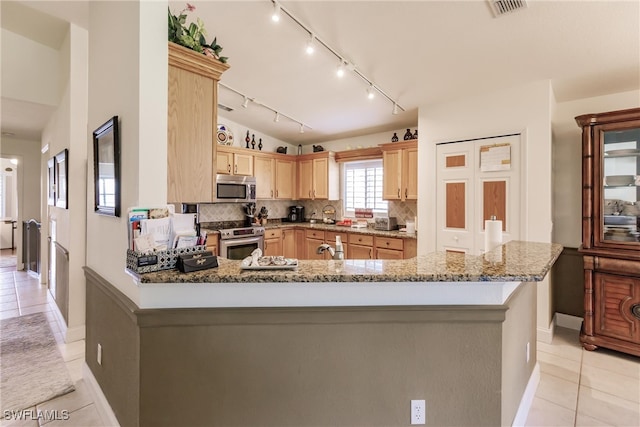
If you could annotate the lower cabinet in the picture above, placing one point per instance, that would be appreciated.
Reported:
(617, 314)
(394, 248)
(313, 239)
(360, 246)
(289, 243)
(212, 243)
(273, 242)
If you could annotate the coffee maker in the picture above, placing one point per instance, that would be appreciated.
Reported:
(296, 214)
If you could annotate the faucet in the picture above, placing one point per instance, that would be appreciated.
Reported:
(335, 254)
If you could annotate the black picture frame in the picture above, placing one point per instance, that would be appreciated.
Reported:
(106, 168)
(51, 182)
(61, 173)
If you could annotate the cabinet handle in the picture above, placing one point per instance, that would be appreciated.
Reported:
(272, 193)
(406, 193)
(635, 310)
(235, 169)
(277, 193)
(314, 194)
(370, 254)
(398, 193)
(387, 243)
(229, 168)
(265, 245)
(309, 193)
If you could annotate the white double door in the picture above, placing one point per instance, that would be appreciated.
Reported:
(466, 195)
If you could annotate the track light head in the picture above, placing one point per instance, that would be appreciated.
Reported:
(340, 70)
(301, 128)
(277, 117)
(395, 109)
(245, 102)
(310, 48)
(370, 92)
(275, 17)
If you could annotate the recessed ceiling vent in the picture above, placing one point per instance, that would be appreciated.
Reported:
(224, 107)
(502, 7)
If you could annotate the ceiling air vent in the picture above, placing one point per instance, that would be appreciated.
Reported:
(502, 7)
(224, 107)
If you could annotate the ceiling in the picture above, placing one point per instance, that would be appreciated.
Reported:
(420, 53)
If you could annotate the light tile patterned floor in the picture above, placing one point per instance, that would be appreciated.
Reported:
(577, 387)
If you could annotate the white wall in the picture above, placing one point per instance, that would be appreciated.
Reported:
(269, 143)
(30, 70)
(364, 141)
(67, 129)
(527, 110)
(134, 88)
(567, 160)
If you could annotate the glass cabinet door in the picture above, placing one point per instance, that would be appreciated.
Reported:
(620, 185)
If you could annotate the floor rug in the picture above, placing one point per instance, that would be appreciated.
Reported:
(31, 367)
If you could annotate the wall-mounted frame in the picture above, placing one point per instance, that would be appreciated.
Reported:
(61, 165)
(106, 168)
(51, 182)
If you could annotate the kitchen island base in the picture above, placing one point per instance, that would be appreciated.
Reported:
(311, 366)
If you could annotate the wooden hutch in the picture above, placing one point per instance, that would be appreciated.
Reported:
(611, 230)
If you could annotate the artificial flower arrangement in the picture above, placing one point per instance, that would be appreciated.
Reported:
(194, 36)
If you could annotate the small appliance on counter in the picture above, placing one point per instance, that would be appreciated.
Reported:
(296, 214)
(386, 223)
(329, 215)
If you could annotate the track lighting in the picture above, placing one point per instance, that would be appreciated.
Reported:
(370, 93)
(340, 70)
(277, 117)
(395, 109)
(309, 49)
(275, 17)
(301, 128)
(245, 103)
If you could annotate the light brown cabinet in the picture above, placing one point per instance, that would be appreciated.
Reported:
(231, 161)
(394, 248)
(360, 246)
(611, 230)
(273, 242)
(191, 126)
(289, 243)
(276, 176)
(318, 176)
(313, 239)
(212, 243)
(400, 163)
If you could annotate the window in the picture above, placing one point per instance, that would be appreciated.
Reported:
(363, 187)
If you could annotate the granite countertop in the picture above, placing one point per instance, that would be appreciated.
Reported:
(515, 261)
(330, 227)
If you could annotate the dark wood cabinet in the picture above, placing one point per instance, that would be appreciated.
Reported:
(610, 230)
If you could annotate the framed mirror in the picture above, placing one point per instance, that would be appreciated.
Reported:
(106, 168)
(61, 179)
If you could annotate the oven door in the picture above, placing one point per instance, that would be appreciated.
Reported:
(240, 248)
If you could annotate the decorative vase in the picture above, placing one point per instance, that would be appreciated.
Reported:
(394, 138)
(247, 140)
(260, 144)
(407, 135)
(253, 141)
(415, 135)
(299, 149)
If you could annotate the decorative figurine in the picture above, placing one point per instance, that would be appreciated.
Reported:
(407, 135)
(415, 135)
(299, 149)
(253, 141)
(394, 138)
(260, 144)
(317, 148)
(247, 140)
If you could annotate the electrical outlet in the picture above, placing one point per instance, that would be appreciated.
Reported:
(418, 412)
(99, 354)
(528, 352)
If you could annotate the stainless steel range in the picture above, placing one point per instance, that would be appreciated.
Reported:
(238, 243)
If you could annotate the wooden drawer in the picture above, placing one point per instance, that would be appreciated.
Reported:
(389, 243)
(361, 239)
(273, 233)
(330, 237)
(314, 234)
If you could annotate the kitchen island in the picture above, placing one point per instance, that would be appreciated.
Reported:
(331, 343)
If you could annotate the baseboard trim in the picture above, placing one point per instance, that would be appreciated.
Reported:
(527, 397)
(568, 321)
(545, 335)
(76, 333)
(102, 405)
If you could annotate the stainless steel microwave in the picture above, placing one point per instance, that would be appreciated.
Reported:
(235, 189)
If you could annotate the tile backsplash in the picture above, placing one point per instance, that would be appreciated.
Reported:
(278, 209)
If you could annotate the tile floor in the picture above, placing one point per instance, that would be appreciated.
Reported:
(577, 387)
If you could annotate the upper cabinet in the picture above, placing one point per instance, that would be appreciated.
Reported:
(233, 161)
(276, 175)
(192, 124)
(400, 163)
(318, 176)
